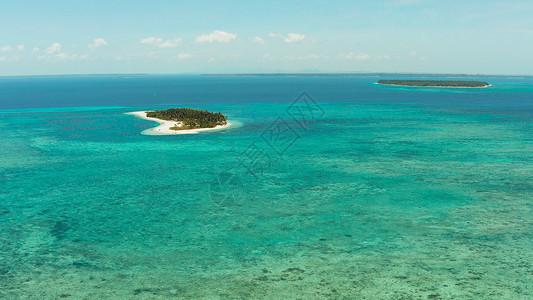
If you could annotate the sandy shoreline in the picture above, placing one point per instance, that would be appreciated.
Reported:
(164, 126)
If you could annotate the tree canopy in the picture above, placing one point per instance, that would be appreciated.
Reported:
(190, 118)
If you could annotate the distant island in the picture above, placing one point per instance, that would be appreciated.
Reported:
(436, 83)
(183, 121)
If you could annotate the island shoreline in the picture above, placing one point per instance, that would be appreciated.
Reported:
(164, 126)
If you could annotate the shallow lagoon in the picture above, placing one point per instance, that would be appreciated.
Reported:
(386, 193)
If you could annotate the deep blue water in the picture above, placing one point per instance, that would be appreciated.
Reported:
(164, 90)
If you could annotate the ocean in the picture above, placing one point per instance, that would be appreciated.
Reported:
(326, 188)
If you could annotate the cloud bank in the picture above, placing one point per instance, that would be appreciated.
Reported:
(290, 38)
(159, 42)
(97, 43)
(216, 36)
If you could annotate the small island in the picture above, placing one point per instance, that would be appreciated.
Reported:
(183, 121)
(436, 83)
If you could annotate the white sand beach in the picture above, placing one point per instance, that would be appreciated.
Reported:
(164, 126)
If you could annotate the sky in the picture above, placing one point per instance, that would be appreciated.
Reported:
(408, 36)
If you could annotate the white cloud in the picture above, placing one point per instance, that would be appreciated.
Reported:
(290, 38)
(184, 55)
(294, 38)
(20, 47)
(169, 43)
(353, 56)
(159, 42)
(54, 53)
(304, 57)
(55, 47)
(151, 40)
(6, 49)
(258, 40)
(63, 56)
(275, 35)
(3, 58)
(97, 43)
(216, 36)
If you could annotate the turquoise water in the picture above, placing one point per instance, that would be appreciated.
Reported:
(380, 193)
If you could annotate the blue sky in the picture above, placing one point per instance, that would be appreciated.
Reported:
(79, 37)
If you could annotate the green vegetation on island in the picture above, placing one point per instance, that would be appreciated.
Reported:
(189, 118)
(435, 83)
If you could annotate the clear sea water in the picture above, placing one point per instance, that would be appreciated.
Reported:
(375, 193)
